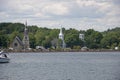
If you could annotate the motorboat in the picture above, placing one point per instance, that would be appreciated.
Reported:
(3, 57)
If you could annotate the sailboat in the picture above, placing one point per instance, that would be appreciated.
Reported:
(3, 57)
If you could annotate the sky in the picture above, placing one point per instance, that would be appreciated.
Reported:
(99, 15)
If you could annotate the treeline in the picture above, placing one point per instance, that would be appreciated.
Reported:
(49, 37)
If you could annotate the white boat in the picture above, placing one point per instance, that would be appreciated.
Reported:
(3, 57)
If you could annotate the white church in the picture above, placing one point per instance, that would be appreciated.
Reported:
(61, 36)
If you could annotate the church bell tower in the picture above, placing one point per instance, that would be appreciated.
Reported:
(26, 38)
(61, 36)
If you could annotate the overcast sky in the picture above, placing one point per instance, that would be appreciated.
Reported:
(79, 14)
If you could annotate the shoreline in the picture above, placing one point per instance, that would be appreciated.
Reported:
(63, 51)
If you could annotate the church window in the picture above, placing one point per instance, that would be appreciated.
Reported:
(25, 37)
(15, 44)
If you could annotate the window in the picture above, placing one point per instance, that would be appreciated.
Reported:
(15, 44)
(25, 37)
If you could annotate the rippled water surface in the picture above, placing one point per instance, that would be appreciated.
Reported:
(62, 66)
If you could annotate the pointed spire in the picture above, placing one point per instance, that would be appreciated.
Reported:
(26, 37)
(61, 36)
(61, 30)
(26, 25)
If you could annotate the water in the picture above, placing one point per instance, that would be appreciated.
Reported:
(62, 66)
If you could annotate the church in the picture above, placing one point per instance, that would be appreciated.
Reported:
(20, 45)
(61, 36)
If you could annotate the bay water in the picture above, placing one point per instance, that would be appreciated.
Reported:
(62, 66)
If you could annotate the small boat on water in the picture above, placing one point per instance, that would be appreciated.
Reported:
(3, 57)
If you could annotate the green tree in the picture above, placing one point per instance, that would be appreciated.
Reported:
(3, 41)
(32, 40)
(110, 40)
(72, 40)
(13, 35)
(54, 33)
(47, 42)
(93, 39)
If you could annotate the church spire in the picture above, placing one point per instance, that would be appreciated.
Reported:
(26, 38)
(26, 25)
(61, 36)
(61, 31)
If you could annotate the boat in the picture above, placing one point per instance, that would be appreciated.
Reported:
(3, 57)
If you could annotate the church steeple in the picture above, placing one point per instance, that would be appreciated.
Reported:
(61, 36)
(26, 25)
(26, 37)
(61, 30)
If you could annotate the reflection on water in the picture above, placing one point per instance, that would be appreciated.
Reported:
(62, 66)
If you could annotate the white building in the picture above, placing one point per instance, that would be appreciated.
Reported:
(81, 36)
(61, 36)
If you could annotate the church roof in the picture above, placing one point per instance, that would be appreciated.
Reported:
(19, 40)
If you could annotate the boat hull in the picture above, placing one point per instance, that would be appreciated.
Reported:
(4, 60)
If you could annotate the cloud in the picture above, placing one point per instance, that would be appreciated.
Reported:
(55, 8)
(3, 15)
(80, 14)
